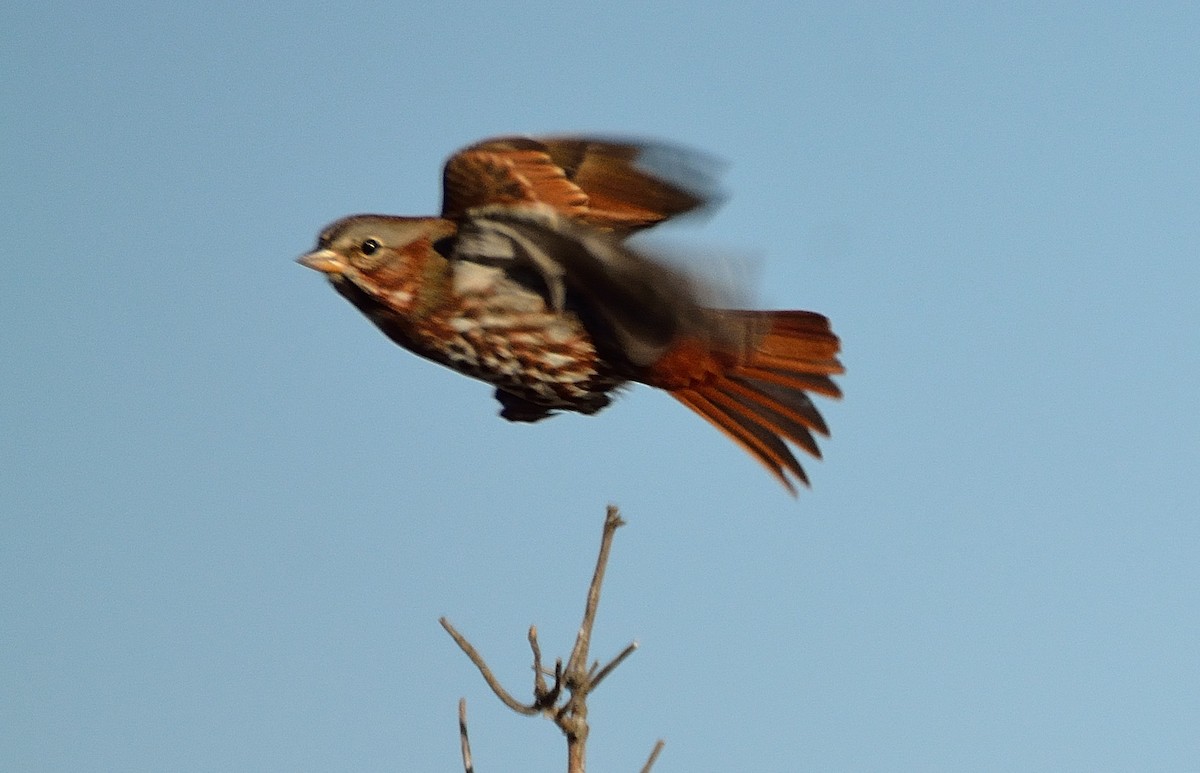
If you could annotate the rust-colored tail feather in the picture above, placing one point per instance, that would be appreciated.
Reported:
(761, 399)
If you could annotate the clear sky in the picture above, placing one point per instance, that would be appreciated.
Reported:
(231, 511)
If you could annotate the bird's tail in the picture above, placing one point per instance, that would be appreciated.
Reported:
(760, 399)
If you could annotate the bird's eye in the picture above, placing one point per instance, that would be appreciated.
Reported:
(369, 247)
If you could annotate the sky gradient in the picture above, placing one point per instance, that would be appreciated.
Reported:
(231, 511)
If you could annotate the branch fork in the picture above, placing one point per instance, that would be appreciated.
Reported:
(576, 680)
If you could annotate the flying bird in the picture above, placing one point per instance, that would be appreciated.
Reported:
(526, 281)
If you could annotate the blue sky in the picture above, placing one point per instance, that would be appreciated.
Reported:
(231, 512)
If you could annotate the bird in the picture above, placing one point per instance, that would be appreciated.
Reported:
(527, 281)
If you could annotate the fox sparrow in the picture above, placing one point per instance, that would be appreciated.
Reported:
(526, 282)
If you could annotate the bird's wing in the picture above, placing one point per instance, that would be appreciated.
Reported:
(643, 304)
(749, 373)
(618, 186)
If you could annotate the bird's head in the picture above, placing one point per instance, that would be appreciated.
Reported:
(390, 260)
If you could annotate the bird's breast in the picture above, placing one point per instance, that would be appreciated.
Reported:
(505, 333)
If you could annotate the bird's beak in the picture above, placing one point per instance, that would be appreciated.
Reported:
(326, 261)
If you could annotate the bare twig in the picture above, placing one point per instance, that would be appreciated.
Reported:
(576, 677)
(539, 676)
(612, 664)
(612, 522)
(658, 747)
(488, 677)
(468, 766)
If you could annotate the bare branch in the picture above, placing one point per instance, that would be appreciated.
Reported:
(576, 678)
(468, 766)
(539, 676)
(488, 677)
(608, 669)
(578, 660)
(658, 747)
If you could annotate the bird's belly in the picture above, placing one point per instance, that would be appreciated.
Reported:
(544, 357)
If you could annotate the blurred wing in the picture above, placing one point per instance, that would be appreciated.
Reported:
(644, 305)
(749, 373)
(612, 185)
